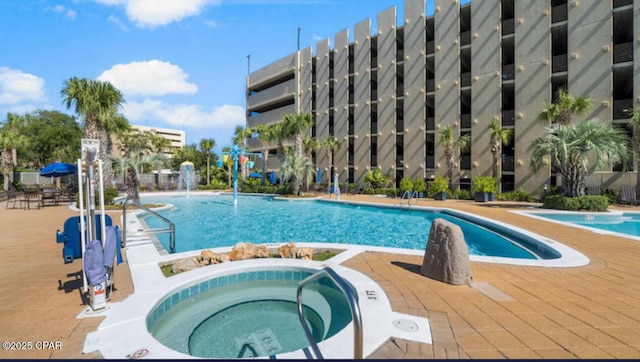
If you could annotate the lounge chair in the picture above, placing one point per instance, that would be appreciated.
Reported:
(593, 190)
(13, 195)
(628, 195)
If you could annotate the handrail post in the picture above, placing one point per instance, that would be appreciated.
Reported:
(172, 227)
(353, 306)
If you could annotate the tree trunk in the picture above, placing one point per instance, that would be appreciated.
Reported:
(208, 169)
(330, 171)
(132, 184)
(6, 168)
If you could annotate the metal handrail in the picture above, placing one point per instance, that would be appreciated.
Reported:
(353, 306)
(171, 229)
(409, 196)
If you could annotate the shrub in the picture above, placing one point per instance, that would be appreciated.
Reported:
(588, 203)
(461, 194)
(351, 188)
(390, 192)
(419, 185)
(110, 193)
(518, 195)
(613, 196)
(484, 184)
(406, 185)
(439, 184)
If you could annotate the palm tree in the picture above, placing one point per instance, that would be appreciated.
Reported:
(565, 105)
(206, 145)
(265, 135)
(240, 139)
(158, 145)
(571, 147)
(499, 136)
(130, 165)
(635, 141)
(449, 142)
(297, 168)
(377, 179)
(98, 103)
(10, 140)
(330, 144)
(295, 125)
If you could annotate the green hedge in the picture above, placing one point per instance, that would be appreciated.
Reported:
(518, 195)
(587, 203)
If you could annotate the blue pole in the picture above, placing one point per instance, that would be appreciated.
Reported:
(235, 175)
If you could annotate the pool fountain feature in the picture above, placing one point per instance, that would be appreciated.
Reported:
(188, 179)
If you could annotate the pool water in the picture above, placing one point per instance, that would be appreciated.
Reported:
(248, 314)
(259, 328)
(623, 223)
(212, 221)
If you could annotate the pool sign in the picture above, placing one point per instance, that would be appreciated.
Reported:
(141, 353)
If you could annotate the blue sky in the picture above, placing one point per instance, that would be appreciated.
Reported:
(180, 63)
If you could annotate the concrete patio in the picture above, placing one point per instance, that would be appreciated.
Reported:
(509, 311)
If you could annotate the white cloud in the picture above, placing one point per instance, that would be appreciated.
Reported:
(184, 115)
(149, 78)
(70, 13)
(153, 13)
(112, 19)
(18, 87)
(210, 23)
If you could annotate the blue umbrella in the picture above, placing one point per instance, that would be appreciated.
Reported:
(58, 169)
(255, 175)
(319, 178)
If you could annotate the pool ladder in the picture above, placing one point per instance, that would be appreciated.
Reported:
(171, 228)
(409, 195)
(353, 306)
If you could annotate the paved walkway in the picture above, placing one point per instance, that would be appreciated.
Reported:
(508, 312)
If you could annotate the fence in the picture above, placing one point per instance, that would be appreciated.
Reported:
(32, 178)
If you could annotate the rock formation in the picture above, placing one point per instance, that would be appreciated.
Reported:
(446, 257)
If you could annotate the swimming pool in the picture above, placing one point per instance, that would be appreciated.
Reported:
(212, 221)
(625, 224)
(251, 314)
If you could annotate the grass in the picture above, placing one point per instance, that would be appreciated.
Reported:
(320, 256)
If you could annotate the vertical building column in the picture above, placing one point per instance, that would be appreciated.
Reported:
(414, 88)
(589, 27)
(486, 70)
(305, 94)
(362, 95)
(533, 88)
(341, 100)
(322, 102)
(387, 90)
(447, 77)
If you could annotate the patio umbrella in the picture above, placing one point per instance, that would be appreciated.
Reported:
(58, 169)
(255, 175)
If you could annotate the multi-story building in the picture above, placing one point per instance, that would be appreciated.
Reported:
(175, 136)
(387, 94)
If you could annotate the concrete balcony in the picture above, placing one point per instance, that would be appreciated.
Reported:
(270, 116)
(272, 95)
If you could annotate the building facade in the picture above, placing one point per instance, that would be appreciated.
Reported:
(175, 136)
(385, 95)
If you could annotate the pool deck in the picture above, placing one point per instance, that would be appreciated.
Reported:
(509, 311)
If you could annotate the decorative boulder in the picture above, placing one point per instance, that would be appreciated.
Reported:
(260, 251)
(241, 251)
(446, 257)
(304, 253)
(184, 265)
(209, 257)
(288, 250)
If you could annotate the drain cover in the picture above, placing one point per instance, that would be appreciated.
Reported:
(405, 325)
